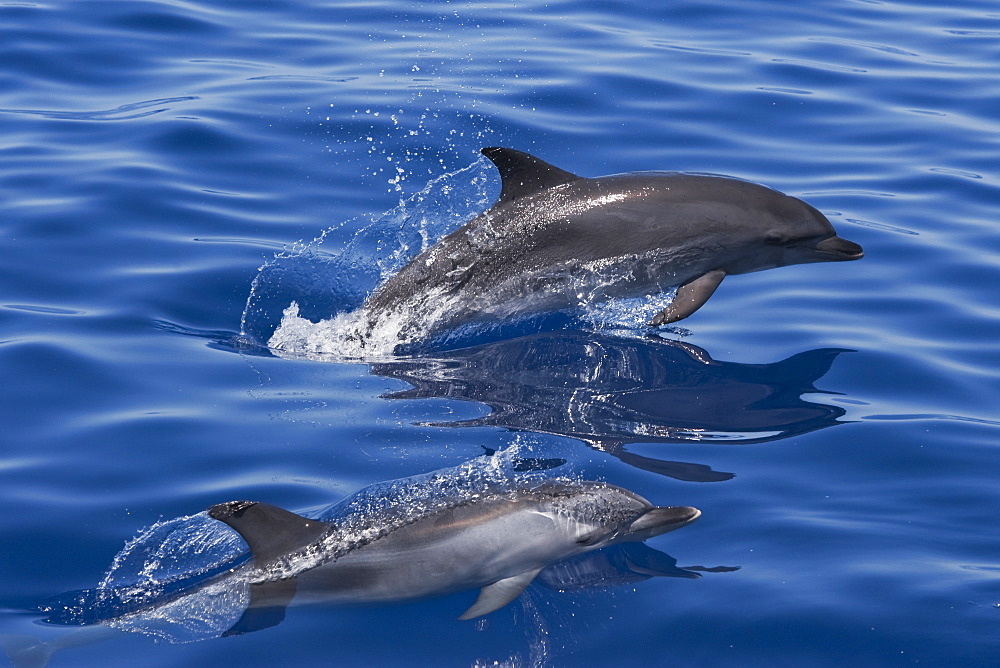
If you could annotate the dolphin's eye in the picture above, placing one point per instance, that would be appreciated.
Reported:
(776, 239)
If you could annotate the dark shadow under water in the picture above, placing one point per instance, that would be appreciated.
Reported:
(611, 392)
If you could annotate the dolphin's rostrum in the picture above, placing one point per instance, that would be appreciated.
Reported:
(555, 240)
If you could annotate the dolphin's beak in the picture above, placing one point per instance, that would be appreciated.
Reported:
(838, 249)
(661, 520)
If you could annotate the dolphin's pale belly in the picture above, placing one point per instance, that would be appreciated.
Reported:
(569, 284)
(441, 555)
(574, 284)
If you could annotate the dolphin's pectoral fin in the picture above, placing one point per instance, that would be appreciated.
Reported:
(271, 532)
(495, 596)
(689, 298)
(268, 601)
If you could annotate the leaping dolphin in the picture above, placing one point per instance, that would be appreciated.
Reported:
(554, 239)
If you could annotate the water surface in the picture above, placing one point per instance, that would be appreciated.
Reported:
(836, 423)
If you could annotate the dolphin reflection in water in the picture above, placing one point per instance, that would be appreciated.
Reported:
(610, 392)
(468, 527)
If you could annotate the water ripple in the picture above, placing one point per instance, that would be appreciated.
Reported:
(933, 416)
(881, 226)
(124, 112)
(823, 66)
(48, 310)
(882, 48)
(301, 77)
(790, 91)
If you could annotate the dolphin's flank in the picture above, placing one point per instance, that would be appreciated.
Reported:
(498, 541)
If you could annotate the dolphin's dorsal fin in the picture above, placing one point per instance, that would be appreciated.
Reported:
(523, 174)
(271, 532)
(805, 368)
(495, 596)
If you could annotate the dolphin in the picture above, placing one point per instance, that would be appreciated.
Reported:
(497, 540)
(555, 240)
(478, 525)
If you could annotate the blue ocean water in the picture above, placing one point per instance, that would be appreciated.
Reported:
(174, 173)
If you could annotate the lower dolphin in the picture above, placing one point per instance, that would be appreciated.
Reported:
(498, 541)
(479, 525)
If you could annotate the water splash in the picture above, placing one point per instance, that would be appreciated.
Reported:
(301, 302)
(152, 574)
(168, 550)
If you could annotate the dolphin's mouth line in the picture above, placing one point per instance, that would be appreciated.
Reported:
(841, 255)
(838, 248)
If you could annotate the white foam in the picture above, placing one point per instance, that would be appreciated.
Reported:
(339, 337)
(357, 335)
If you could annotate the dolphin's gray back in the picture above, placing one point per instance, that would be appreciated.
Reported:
(485, 540)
